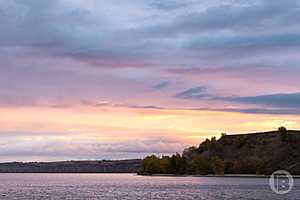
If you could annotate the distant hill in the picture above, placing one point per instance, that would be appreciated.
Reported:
(255, 153)
(104, 166)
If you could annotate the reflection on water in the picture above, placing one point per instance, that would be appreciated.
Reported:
(131, 186)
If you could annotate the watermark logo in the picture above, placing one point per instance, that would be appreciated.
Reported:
(281, 182)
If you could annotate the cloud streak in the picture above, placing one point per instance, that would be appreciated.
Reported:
(284, 100)
(279, 103)
(193, 93)
(161, 85)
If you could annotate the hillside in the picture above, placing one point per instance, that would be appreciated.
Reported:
(255, 153)
(273, 150)
(104, 166)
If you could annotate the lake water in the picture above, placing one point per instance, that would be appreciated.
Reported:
(131, 186)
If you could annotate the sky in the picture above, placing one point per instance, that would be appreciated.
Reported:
(98, 79)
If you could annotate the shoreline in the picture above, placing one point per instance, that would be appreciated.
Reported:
(158, 175)
(215, 176)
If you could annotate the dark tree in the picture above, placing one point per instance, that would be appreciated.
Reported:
(282, 129)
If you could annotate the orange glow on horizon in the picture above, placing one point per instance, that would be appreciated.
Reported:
(128, 123)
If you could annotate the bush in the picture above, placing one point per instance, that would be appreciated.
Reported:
(200, 165)
(151, 165)
(165, 165)
(282, 129)
(218, 165)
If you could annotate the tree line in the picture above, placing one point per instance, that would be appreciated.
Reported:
(179, 164)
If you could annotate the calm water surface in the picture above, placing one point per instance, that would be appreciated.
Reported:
(131, 186)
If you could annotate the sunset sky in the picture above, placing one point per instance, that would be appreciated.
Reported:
(117, 79)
